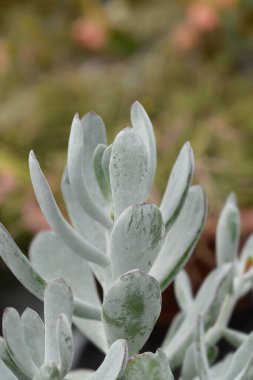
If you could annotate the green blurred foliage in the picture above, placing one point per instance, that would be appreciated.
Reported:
(62, 57)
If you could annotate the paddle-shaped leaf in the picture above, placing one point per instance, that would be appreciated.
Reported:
(34, 333)
(56, 221)
(143, 126)
(58, 300)
(129, 170)
(65, 343)
(183, 291)
(131, 308)
(114, 364)
(136, 238)
(79, 179)
(228, 233)
(178, 185)
(20, 265)
(5, 372)
(106, 164)
(148, 366)
(14, 337)
(181, 239)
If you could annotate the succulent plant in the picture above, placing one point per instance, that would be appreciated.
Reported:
(134, 250)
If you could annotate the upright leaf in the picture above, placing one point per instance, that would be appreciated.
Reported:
(79, 179)
(178, 185)
(34, 334)
(114, 364)
(14, 337)
(65, 343)
(129, 170)
(183, 291)
(58, 300)
(143, 126)
(136, 238)
(56, 221)
(131, 308)
(100, 174)
(228, 233)
(200, 356)
(181, 239)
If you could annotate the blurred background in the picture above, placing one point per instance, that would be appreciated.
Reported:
(189, 62)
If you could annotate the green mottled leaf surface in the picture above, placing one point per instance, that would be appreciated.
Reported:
(131, 308)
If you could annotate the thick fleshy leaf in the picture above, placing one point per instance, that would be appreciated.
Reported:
(178, 185)
(65, 343)
(114, 364)
(80, 179)
(129, 170)
(52, 259)
(200, 354)
(20, 266)
(48, 372)
(183, 291)
(14, 337)
(34, 333)
(148, 366)
(56, 221)
(106, 164)
(100, 174)
(174, 326)
(5, 372)
(228, 233)
(181, 239)
(136, 238)
(143, 126)
(94, 133)
(58, 300)
(219, 368)
(207, 302)
(82, 374)
(131, 308)
(9, 362)
(87, 227)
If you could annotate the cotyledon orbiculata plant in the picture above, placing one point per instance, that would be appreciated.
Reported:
(134, 249)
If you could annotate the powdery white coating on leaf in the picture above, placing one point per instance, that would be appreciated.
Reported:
(65, 343)
(20, 265)
(100, 174)
(15, 341)
(52, 259)
(183, 291)
(200, 354)
(58, 300)
(114, 363)
(131, 308)
(136, 238)
(48, 372)
(80, 374)
(81, 173)
(228, 233)
(34, 334)
(56, 220)
(148, 366)
(178, 247)
(5, 372)
(129, 170)
(207, 302)
(143, 126)
(178, 185)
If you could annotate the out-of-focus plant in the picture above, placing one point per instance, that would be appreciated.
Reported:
(134, 249)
